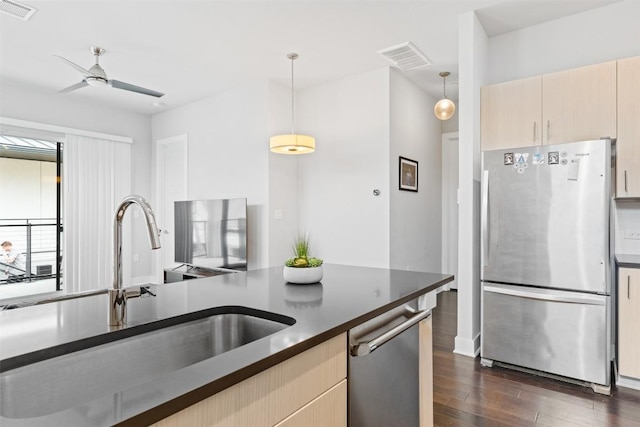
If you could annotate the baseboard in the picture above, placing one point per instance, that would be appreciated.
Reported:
(628, 382)
(467, 346)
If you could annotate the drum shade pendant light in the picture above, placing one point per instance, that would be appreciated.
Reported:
(292, 143)
(444, 108)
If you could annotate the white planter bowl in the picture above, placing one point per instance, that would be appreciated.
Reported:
(302, 275)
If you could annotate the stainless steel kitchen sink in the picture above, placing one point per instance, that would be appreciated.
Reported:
(68, 380)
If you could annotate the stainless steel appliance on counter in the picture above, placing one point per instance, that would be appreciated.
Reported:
(546, 260)
(384, 385)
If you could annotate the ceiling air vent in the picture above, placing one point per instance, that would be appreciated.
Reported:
(16, 9)
(405, 56)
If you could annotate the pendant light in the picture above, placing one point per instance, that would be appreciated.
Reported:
(445, 108)
(292, 143)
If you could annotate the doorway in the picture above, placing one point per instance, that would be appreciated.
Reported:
(171, 186)
(30, 216)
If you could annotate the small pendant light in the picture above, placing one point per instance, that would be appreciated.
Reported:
(292, 143)
(445, 108)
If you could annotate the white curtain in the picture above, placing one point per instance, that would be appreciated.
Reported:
(96, 176)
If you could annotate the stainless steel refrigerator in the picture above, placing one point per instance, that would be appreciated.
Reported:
(546, 263)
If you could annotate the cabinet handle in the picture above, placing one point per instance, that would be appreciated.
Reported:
(548, 130)
(534, 131)
(628, 287)
(625, 181)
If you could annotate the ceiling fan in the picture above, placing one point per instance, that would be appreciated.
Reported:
(95, 76)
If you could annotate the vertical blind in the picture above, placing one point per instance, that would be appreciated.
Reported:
(96, 176)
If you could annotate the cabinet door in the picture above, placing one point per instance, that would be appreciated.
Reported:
(510, 114)
(629, 322)
(628, 145)
(579, 104)
(329, 409)
(271, 395)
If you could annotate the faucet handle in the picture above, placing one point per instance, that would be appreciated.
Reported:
(146, 290)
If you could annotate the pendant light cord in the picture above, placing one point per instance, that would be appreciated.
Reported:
(293, 57)
(444, 86)
(444, 76)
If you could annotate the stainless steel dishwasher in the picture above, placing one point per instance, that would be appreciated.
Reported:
(384, 369)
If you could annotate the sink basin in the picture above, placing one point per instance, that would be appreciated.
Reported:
(68, 380)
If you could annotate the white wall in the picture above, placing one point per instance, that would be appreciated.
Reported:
(350, 120)
(283, 181)
(64, 110)
(27, 189)
(598, 35)
(415, 218)
(228, 154)
(362, 124)
(473, 43)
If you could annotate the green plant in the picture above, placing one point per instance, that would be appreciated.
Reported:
(301, 251)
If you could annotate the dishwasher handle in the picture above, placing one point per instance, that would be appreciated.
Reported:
(366, 347)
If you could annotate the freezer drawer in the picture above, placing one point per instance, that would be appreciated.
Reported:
(563, 333)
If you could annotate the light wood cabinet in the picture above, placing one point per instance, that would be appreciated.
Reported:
(579, 104)
(567, 106)
(329, 409)
(425, 372)
(629, 322)
(278, 392)
(628, 144)
(511, 114)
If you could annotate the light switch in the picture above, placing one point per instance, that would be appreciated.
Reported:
(277, 214)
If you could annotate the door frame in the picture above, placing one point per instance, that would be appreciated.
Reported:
(449, 203)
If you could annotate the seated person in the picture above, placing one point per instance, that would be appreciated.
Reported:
(11, 262)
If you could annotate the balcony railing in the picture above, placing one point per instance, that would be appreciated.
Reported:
(35, 240)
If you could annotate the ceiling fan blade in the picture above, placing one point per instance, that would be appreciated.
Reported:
(78, 85)
(133, 88)
(84, 72)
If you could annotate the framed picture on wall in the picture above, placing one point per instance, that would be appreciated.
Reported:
(408, 174)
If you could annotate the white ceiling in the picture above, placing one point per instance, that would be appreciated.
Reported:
(194, 49)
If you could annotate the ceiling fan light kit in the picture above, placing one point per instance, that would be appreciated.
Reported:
(96, 81)
(292, 143)
(96, 76)
(445, 108)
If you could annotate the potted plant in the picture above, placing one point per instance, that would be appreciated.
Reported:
(302, 268)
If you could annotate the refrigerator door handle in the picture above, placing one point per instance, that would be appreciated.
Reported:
(485, 218)
(367, 347)
(554, 296)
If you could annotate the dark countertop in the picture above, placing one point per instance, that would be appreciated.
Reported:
(346, 297)
(628, 261)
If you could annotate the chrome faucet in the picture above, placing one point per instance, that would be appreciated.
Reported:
(118, 296)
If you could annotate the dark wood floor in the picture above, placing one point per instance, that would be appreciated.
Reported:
(467, 394)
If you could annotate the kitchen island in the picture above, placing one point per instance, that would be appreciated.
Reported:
(347, 297)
